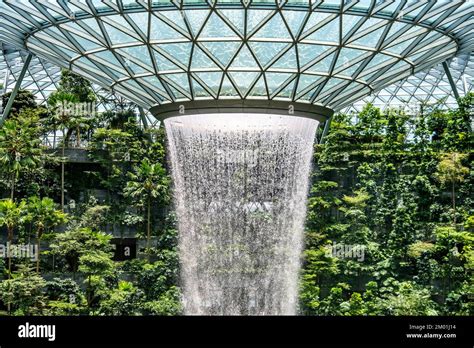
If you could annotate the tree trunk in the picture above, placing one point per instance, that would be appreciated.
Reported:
(78, 137)
(38, 244)
(10, 241)
(148, 237)
(62, 170)
(454, 204)
(12, 192)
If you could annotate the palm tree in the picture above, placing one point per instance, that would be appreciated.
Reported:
(44, 215)
(11, 216)
(61, 118)
(148, 182)
(19, 147)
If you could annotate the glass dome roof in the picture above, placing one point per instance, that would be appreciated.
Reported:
(430, 87)
(329, 53)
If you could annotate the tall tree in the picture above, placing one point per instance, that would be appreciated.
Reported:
(148, 182)
(451, 171)
(20, 148)
(43, 215)
(12, 215)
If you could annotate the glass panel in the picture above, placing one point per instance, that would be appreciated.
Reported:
(308, 53)
(243, 80)
(222, 51)
(216, 27)
(160, 31)
(266, 51)
(275, 28)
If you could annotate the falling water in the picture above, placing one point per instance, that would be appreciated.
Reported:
(241, 182)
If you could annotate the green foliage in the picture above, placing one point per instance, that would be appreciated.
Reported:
(20, 149)
(23, 100)
(392, 183)
(24, 292)
(168, 304)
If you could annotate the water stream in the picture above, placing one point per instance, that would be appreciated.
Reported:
(240, 187)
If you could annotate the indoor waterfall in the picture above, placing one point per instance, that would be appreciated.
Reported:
(240, 187)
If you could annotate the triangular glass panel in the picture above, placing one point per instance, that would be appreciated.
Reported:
(294, 19)
(395, 29)
(315, 20)
(164, 63)
(223, 51)
(142, 19)
(236, 17)
(332, 82)
(156, 84)
(259, 88)
(121, 23)
(275, 28)
(328, 33)
(275, 80)
(201, 60)
(177, 94)
(369, 23)
(136, 69)
(179, 81)
(266, 51)
(243, 80)
(369, 40)
(87, 44)
(346, 57)
(179, 51)
(323, 65)
(305, 80)
(287, 61)
(211, 79)
(199, 91)
(117, 36)
(227, 88)
(350, 70)
(136, 53)
(216, 27)
(244, 59)
(400, 47)
(349, 22)
(287, 91)
(255, 17)
(161, 31)
(196, 19)
(309, 52)
(175, 17)
(91, 23)
(378, 61)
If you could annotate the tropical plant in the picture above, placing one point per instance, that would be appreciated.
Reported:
(42, 213)
(148, 182)
(12, 215)
(20, 149)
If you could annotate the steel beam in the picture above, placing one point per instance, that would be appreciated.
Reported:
(327, 124)
(15, 90)
(451, 81)
(143, 117)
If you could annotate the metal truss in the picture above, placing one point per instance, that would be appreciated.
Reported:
(430, 87)
(329, 53)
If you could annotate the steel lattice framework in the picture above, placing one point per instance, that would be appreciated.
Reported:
(428, 88)
(329, 53)
(42, 77)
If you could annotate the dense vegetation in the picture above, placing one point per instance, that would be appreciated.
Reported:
(398, 186)
(401, 188)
